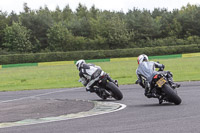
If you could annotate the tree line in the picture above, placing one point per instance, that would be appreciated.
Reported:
(62, 30)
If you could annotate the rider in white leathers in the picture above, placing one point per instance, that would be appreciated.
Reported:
(146, 71)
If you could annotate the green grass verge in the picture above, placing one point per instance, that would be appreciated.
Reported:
(46, 77)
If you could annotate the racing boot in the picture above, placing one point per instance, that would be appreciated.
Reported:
(90, 89)
(175, 85)
(170, 79)
(160, 99)
(151, 95)
(116, 82)
(147, 93)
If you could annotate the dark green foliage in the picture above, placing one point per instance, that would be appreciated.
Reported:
(3, 23)
(38, 22)
(64, 30)
(16, 38)
(59, 38)
(96, 54)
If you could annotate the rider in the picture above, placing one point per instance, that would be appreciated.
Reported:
(88, 74)
(146, 71)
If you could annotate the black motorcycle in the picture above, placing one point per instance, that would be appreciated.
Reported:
(106, 89)
(162, 88)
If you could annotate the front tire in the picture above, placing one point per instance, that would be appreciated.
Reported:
(115, 90)
(171, 95)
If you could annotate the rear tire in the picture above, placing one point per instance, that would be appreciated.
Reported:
(115, 90)
(171, 94)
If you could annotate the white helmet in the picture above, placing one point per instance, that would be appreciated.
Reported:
(79, 63)
(142, 58)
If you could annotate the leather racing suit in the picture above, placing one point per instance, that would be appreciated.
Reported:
(89, 74)
(145, 72)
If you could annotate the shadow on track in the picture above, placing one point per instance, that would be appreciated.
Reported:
(155, 105)
(107, 100)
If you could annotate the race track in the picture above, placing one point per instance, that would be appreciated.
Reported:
(141, 115)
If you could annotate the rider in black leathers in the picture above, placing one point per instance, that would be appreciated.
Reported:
(88, 74)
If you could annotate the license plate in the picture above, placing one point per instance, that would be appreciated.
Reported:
(161, 82)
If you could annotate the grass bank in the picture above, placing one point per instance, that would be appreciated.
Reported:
(64, 76)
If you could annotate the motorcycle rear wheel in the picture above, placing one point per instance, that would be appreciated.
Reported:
(115, 91)
(171, 95)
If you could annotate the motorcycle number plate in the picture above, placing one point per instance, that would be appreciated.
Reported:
(161, 82)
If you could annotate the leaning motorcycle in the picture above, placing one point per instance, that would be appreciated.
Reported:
(104, 88)
(163, 90)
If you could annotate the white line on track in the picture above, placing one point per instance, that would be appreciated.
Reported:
(100, 108)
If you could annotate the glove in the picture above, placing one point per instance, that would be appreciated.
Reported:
(162, 68)
(116, 82)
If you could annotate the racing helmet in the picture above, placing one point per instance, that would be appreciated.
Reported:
(142, 58)
(79, 63)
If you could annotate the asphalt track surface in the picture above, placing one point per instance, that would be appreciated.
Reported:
(142, 115)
